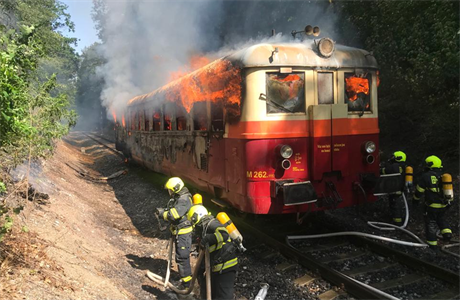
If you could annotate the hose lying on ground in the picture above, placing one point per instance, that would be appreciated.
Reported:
(160, 280)
(373, 236)
(163, 281)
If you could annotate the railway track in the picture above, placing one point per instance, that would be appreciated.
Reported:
(362, 268)
(106, 143)
(358, 267)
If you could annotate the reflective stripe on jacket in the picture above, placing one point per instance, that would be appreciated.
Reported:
(428, 186)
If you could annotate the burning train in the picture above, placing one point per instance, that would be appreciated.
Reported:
(269, 129)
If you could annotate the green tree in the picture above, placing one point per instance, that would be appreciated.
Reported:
(417, 47)
(34, 111)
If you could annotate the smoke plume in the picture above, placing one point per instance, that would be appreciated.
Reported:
(145, 41)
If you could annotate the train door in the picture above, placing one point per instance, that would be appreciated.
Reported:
(328, 123)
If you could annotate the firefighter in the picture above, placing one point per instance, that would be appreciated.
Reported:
(222, 253)
(396, 165)
(180, 227)
(435, 204)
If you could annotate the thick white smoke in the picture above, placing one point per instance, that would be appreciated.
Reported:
(147, 40)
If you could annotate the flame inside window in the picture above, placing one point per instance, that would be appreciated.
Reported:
(156, 121)
(357, 92)
(167, 122)
(285, 93)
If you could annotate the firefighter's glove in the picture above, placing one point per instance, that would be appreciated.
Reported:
(159, 211)
(410, 187)
(204, 242)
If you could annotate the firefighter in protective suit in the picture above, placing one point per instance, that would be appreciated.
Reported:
(396, 165)
(222, 253)
(435, 204)
(180, 227)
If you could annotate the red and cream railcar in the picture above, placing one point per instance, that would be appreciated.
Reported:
(269, 129)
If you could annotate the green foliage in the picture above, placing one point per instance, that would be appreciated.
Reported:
(2, 188)
(34, 100)
(6, 226)
(417, 47)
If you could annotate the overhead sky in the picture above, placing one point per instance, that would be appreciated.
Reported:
(80, 12)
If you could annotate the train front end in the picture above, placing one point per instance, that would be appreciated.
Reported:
(308, 135)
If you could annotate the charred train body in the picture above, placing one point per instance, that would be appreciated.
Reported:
(269, 129)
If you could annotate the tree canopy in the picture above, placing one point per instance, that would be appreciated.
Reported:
(37, 69)
(417, 47)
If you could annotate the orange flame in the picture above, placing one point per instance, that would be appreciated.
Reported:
(290, 77)
(216, 82)
(123, 122)
(195, 63)
(219, 81)
(114, 115)
(356, 85)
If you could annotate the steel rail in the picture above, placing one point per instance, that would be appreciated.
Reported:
(353, 288)
(410, 261)
(93, 137)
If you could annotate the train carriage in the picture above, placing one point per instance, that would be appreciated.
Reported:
(269, 129)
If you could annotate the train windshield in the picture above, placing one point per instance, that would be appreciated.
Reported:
(357, 92)
(285, 93)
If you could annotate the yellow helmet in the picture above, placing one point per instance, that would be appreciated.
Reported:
(195, 213)
(399, 156)
(197, 199)
(433, 162)
(174, 185)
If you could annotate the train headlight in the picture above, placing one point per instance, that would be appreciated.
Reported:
(286, 151)
(369, 147)
(326, 47)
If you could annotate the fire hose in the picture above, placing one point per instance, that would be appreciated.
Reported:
(168, 270)
(163, 281)
(375, 225)
(207, 262)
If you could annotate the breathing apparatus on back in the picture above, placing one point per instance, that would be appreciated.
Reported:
(444, 181)
(234, 233)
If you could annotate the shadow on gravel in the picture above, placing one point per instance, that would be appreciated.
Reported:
(147, 263)
(157, 292)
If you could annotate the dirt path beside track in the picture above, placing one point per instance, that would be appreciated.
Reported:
(89, 240)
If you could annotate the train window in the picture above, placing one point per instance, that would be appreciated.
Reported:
(181, 118)
(132, 120)
(217, 116)
(285, 93)
(156, 121)
(139, 121)
(146, 121)
(357, 92)
(200, 116)
(325, 88)
(167, 117)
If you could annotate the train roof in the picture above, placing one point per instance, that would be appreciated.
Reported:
(304, 54)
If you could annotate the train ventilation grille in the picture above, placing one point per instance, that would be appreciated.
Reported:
(203, 162)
